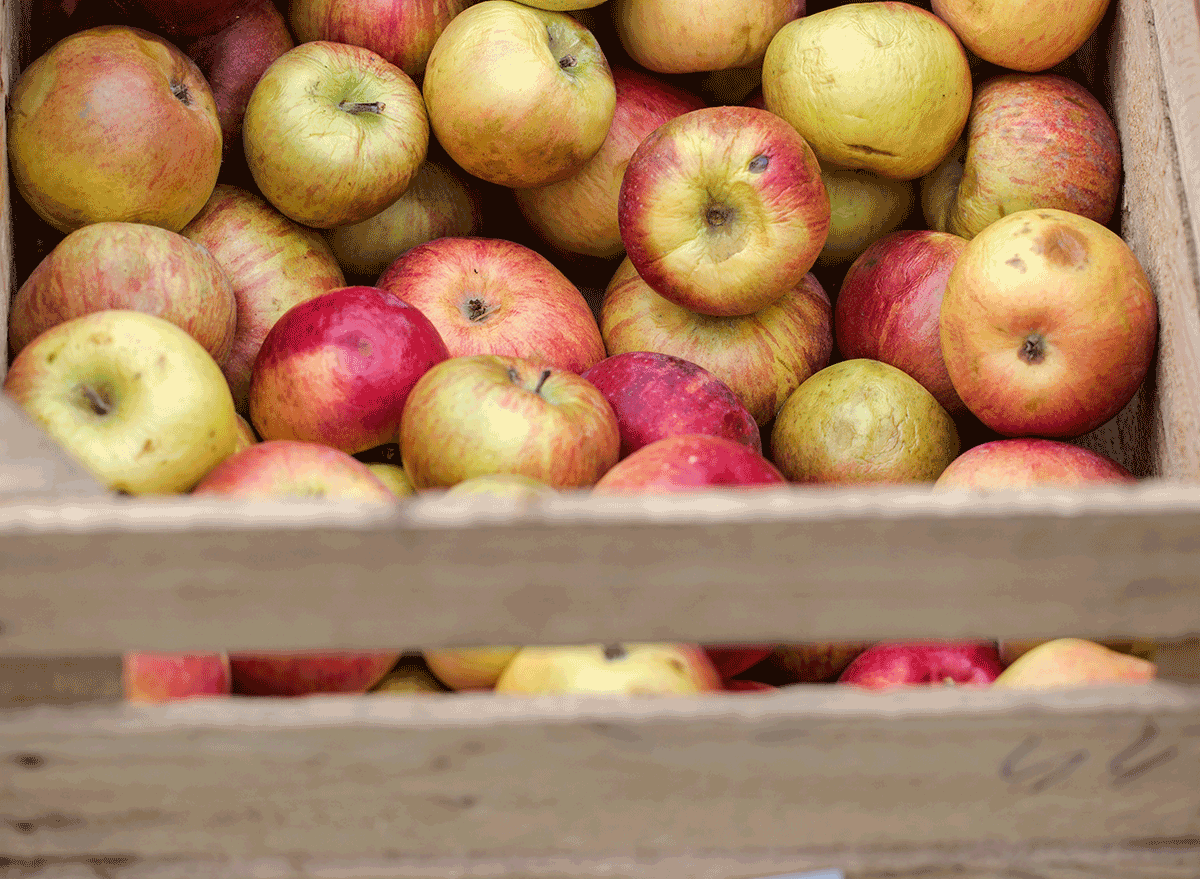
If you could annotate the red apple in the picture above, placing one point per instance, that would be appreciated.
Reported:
(490, 413)
(130, 266)
(1032, 141)
(114, 123)
(493, 296)
(337, 369)
(273, 264)
(310, 673)
(813, 662)
(689, 462)
(744, 685)
(1048, 324)
(293, 469)
(889, 303)
(162, 677)
(189, 18)
(658, 395)
(933, 663)
(723, 210)
(1029, 461)
(579, 214)
(233, 59)
(401, 31)
(762, 357)
(731, 660)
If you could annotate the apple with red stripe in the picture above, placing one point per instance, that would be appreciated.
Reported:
(293, 469)
(338, 368)
(1025, 462)
(690, 462)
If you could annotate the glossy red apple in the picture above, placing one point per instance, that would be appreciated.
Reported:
(310, 673)
(689, 462)
(658, 395)
(889, 303)
(337, 369)
(494, 296)
(731, 660)
(929, 663)
(162, 677)
(1030, 461)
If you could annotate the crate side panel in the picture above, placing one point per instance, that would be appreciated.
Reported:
(350, 779)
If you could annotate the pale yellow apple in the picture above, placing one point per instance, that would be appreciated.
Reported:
(246, 434)
(410, 676)
(510, 485)
(885, 87)
(863, 208)
(469, 668)
(131, 396)
(394, 477)
(1067, 662)
(630, 668)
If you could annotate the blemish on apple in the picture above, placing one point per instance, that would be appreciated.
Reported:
(1017, 263)
(1033, 349)
(759, 164)
(1062, 246)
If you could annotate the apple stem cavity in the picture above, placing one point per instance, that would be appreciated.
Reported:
(97, 401)
(1033, 349)
(180, 91)
(717, 216)
(614, 652)
(356, 107)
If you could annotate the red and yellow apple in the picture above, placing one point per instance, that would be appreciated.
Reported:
(1024, 462)
(690, 462)
(294, 469)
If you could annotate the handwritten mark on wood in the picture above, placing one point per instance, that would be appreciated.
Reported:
(1038, 776)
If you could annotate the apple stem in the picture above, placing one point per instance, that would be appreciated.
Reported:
(1033, 349)
(541, 381)
(99, 405)
(356, 107)
(567, 61)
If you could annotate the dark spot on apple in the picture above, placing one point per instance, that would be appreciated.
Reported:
(147, 447)
(869, 150)
(566, 62)
(1017, 263)
(759, 164)
(615, 651)
(1026, 229)
(1033, 349)
(676, 664)
(1062, 246)
(52, 356)
(181, 92)
(29, 761)
(513, 375)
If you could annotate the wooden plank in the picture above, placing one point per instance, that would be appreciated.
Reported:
(26, 681)
(790, 564)
(33, 466)
(394, 778)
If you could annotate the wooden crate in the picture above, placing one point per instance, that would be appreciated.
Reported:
(1098, 782)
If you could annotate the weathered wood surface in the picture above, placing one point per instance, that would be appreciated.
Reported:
(405, 780)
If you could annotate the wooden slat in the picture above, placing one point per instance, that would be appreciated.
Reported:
(33, 467)
(409, 778)
(791, 564)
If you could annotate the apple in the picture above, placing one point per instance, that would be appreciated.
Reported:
(188, 18)
(309, 673)
(410, 675)
(1011, 649)
(1030, 461)
(1048, 324)
(863, 421)
(1032, 141)
(762, 357)
(667, 37)
(113, 123)
(863, 207)
(134, 266)
(294, 469)
(490, 413)
(518, 96)
(233, 59)
(889, 304)
(164, 677)
(1073, 662)
(883, 86)
(813, 662)
(932, 663)
(439, 202)
(469, 668)
(333, 133)
(731, 660)
(579, 213)
(246, 434)
(1026, 35)
(636, 669)
(132, 397)
(722, 210)
(393, 476)
(403, 32)
(689, 462)
(658, 395)
(505, 485)
(338, 368)
(495, 296)
(273, 264)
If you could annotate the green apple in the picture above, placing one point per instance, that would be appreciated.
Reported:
(131, 396)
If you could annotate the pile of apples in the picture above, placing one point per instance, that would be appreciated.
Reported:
(368, 249)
